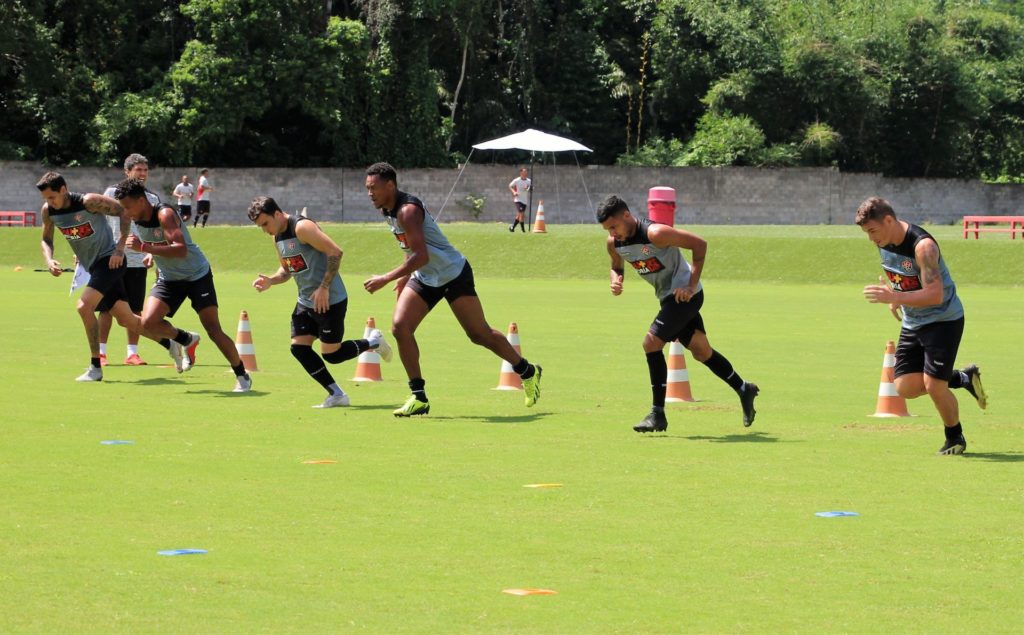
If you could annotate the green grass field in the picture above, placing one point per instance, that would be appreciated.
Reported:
(422, 523)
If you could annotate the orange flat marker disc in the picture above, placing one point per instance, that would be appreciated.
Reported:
(319, 462)
(529, 592)
(543, 485)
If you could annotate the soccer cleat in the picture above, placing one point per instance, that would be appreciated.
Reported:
(189, 357)
(177, 353)
(383, 348)
(103, 359)
(653, 422)
(531, 386)
(243, 383)
(974, 386)
(134, 360)
(91, 374)
(412, 407)
(334, 401)
(511, 228)
(747, 393)
(954, 446)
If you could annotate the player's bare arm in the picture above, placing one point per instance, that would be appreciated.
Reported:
(930, 294)
(99, 204)
(264, 282)
(663, 236)
(174, 242)
(310, 233)
(411, 218)
(47, 242)
(616, 272)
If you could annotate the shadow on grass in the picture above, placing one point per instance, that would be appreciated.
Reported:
(227, 393)
(997, 457)
(524, 418)
(750, 437)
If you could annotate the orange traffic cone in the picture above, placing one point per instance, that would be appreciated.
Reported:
(890, 404)
(368, 364)
(678, 387)
(539, 227)
(509, 379)
(243, 342)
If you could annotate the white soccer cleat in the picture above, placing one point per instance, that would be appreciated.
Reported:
(334, 401)
(91, 374)
(380, 344)
(189, 353)
(243, 383)
(177, 353)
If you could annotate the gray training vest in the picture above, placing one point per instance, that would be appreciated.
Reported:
(88, 234)
(307, 264)
(663, 267)
(903, 273)
(445, 263)
(134, 258)
(191, 268)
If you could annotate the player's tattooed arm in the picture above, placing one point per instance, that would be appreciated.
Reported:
(99, 204)
(333, 263)
(927, 255)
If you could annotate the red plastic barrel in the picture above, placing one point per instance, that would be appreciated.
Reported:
(661, 205)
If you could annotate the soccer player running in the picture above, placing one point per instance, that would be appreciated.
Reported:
(184, 273)
(309, 256)
(520, 188)
(433, 269)
(652, 249)
(80, 218)
(917, 284)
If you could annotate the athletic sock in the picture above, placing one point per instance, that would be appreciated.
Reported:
(334, 388)
(103, 348)
(954, 432)
(313, 365)
(722, 369)
(239, 370)
(348, 350)
(166, 343)
(522, 227)
(515, 224)
(133, 349)
(183, 337)
(959, 379)
(95, 361)
(417, 386)
(659, 377)
(524, 369)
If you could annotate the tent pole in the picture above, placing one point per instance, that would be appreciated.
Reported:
(529, 216)
(464, 166)
(579, 169)
(558, 191)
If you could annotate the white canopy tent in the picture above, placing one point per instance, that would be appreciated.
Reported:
(534, 141)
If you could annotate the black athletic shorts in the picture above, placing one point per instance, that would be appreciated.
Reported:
(520, 207)
(203, 207)
(930, 349)
(459, 286)
(679, 320)
(135, 285)
(328, 327)
(185, 211)
(173, 292)
(109, 282)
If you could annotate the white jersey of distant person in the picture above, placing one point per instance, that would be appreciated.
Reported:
(522, 186)
(204, 187)
(186, 192)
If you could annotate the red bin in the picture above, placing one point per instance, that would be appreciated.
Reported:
(661, 205)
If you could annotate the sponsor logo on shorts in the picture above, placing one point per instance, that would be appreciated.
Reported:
(77, 232)
(203, 295)
(647, 266)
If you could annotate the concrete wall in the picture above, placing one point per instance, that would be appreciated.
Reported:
(705, 195)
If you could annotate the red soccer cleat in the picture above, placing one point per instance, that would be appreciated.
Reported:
(134, 360)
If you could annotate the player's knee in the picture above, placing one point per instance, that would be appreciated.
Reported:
(935, 386)
(480, 337)
(400, 330)
(909, 389)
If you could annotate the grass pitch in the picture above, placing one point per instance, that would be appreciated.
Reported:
(422, 522)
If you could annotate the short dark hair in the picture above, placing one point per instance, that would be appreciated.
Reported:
(263, 205)
(130, 188)
(134, 159)
(383, 170)
(204, 170)
(610, 207)
(874, 208)
(51, 181)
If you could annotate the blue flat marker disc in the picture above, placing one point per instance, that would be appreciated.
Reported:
(181, 552)
(835, 514)
(117, 442)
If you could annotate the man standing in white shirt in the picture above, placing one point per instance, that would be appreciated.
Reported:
(203, 202)
(183, 192)
(520, 188)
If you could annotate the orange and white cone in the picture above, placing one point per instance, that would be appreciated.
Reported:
(678, 387)
(509, 379)
(539, 227)
(368, 363)
(243, 342)
(890, 404)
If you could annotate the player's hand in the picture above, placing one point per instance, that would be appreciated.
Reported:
(54, 267)
(617, 286)
(400, 285)
(133, 243)
(878, 294)
(321, 299)
(375, 283)
(683, 294)
(897, 311)
(116, 259)
(262, 283)
(147, 261)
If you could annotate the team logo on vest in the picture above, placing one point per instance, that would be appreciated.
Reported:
(907, 265)
(899, 282)
(294, 264)
(77, 232)
(649, 265)
(645, 250)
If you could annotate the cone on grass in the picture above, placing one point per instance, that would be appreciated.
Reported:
(508, 379)
(678, 386)
(368, 364)
(890, 404)
(539, 227)
(243, 342)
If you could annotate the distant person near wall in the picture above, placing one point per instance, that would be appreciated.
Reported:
(203, 200)
(520, 187)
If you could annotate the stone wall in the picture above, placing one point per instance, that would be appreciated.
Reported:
(705, 195)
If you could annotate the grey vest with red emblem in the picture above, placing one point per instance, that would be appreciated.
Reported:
(663, 267)
(192, 267)
(446, 262)
(307, 264)
(88, 234)
(901, 270)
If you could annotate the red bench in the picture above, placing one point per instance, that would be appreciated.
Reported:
(23, 219)
(977, 220)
